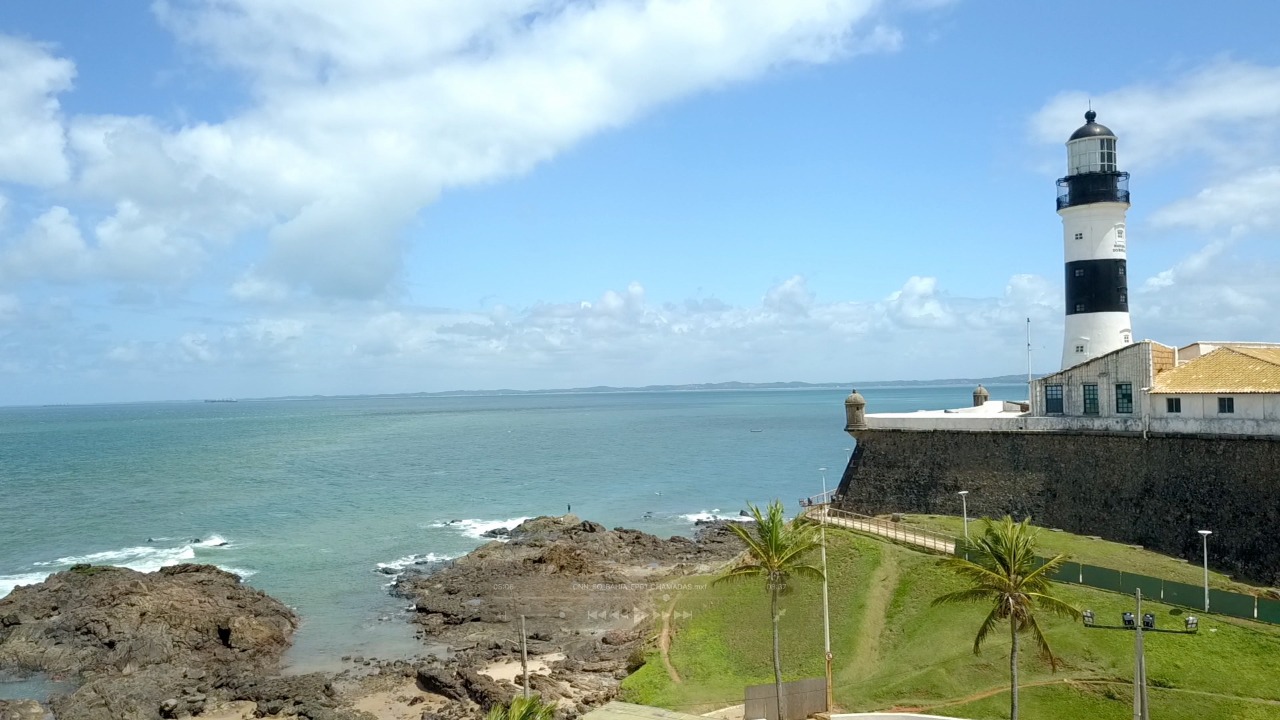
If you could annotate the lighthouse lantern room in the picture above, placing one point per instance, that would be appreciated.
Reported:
(1092, 201)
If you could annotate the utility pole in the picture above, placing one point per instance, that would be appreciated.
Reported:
(524, 658)
(1029, 398)
(1140, 709)
(826, 618)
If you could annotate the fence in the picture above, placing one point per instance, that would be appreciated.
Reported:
(1170, 592)
(800, 699)
(897, 531)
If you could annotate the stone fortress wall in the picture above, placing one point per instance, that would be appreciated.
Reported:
(1155, 491)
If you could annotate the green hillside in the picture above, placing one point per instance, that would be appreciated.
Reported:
(893, 650)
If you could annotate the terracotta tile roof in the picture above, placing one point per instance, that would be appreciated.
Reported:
(1225, 370)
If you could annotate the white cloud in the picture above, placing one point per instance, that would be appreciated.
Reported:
(1240, 204)
(52, 248)
(362, 114)
(1226, 112)
(31, 133)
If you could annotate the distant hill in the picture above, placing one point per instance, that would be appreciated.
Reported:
(694, 387)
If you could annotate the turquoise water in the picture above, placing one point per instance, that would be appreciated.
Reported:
(311, 500)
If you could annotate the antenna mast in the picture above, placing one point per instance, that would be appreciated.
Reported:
(1028, 359)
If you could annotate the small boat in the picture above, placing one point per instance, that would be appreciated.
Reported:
(755, 430)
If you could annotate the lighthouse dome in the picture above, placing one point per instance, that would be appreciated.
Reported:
(1091, 129)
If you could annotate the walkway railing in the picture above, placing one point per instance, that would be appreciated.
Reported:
(881, 527)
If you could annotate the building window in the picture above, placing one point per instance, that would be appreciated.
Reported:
(1079, 348)
(1079, 272)
(1119, 231)
(1226, 405)
(1090, 399)
(1079, 236)
(1079, 307)
(1124, 338)
(1173, 405)
(1124, 397)
(1053, 399)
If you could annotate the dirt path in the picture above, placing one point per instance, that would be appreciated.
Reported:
(664, 642)
(884, 580)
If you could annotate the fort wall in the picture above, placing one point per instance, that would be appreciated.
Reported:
(1155, 490)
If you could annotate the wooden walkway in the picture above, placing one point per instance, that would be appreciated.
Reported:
(915, 537)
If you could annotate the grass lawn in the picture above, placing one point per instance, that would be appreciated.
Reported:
(1102, 553)
(893, 649)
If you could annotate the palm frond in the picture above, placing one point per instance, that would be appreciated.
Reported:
(970, 595)
(985, 629)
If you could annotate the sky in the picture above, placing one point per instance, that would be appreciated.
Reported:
(249, 198)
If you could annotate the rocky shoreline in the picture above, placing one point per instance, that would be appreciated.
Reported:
(193, 641)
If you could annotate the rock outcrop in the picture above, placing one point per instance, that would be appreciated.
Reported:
(587, 595)
(144, 645)
(94, 621)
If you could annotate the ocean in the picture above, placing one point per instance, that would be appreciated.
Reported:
(320, 501)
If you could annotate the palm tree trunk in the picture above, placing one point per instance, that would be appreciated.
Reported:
(777, 654)
(1013, 671)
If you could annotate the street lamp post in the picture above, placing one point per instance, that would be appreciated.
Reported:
(1204, 535)
(964, 506)
(826, 619)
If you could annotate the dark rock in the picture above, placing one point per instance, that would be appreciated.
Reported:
(440, 681)
(21, 710)
(484, 691)
(496, 533)
(100, 620)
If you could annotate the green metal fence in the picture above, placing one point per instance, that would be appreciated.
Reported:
(1269, 610)
(1166, 591)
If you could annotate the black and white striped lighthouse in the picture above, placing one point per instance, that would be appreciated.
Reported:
(1092, 201)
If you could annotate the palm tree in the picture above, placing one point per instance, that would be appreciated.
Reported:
(775, 552)
(523, 708)
(1008, 575)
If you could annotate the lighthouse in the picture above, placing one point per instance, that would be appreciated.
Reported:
(1092, 201)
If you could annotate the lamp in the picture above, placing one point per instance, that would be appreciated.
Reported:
(1148, 621)
(1193, 623)
(1128, 620)
(1088, 618)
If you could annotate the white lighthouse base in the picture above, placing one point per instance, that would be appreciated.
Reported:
(1089, 335)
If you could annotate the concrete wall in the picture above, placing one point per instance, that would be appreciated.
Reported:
(1125, 424)
(1248, 406)
(1156, 492)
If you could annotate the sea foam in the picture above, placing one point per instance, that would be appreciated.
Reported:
(705, 516)
(477, 528)
(143, 558)
(407, 560)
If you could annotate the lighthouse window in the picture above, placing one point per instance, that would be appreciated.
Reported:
(1079, 272)
(1079, 236)
(1120, 231)
(1120, 271)
(1090, 399)
(1108, 147)
(1226, 405)
(1124, 397)
(1053, 399)
(1079, 348)
(1124, 297)
(1079, 307)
